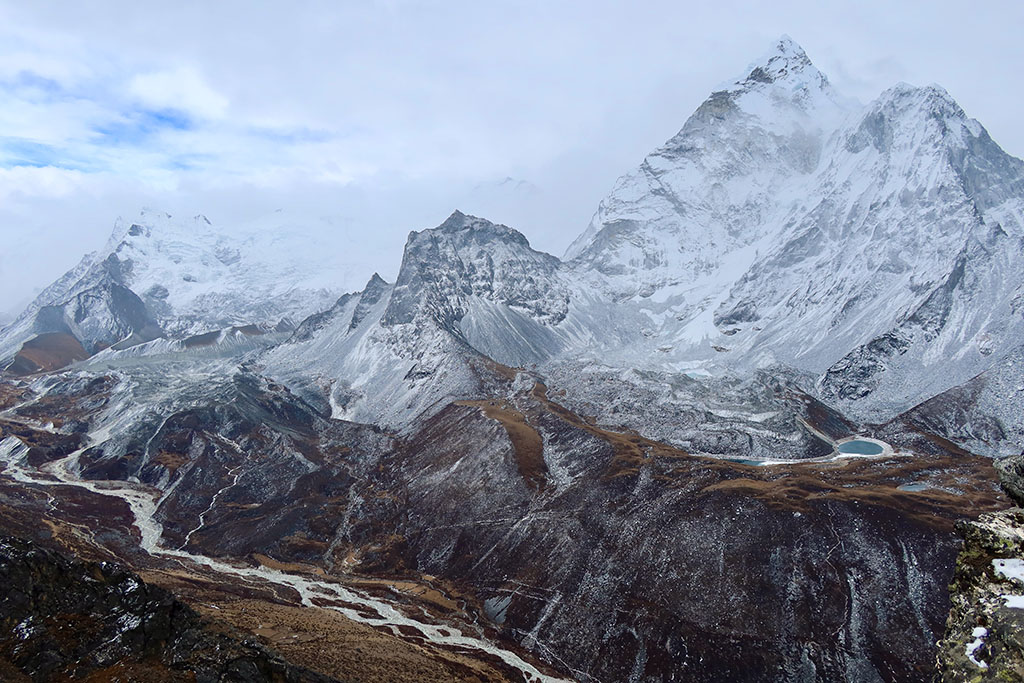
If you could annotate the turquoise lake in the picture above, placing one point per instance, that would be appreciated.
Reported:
(859, 447)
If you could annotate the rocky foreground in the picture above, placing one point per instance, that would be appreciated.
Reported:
(984, 638)
(66, 619)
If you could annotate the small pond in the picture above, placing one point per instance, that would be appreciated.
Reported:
(859, 447)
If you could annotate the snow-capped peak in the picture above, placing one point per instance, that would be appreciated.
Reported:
(916, 104)
(786, 60)
(152, 223)
(708, 191)
(183, 276)
(931, 97)
(784, 86)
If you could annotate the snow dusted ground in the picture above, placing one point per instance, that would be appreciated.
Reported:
(972, 647)
(1013, 570)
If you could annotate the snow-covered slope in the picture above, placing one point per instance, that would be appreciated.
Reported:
(696, 205)
(879, 246)
(900, 274)
(159, 275)
(89, 305)
(195, 276)
(391, 354)
(983, 414)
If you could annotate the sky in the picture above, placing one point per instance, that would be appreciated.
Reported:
(377, 118)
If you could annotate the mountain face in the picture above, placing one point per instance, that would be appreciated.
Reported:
(392, 354)
(630, 462)
(872, 250)
(877, 247)
(90, 307)
(699, 203)
(163, 277)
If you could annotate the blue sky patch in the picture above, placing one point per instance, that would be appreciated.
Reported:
(188, 162)
(34, 87)
(16, 152)
(139, 125)
(21, 152)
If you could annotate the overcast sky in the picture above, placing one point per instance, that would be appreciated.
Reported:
(384, 116)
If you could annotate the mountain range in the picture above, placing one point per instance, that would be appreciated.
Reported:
(631, 461)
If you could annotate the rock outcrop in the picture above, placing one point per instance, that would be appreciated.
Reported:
(984, 640)
(63, 619)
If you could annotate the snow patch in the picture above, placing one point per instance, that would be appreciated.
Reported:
(972, 647)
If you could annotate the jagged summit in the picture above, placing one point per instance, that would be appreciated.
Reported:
(463, 257)
(376, 281)
(786, 60)
(711, 184)
(783, 80)
(475, 229)
(708, 191)
(461, 221)
(457, 219)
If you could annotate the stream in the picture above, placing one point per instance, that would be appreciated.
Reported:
(144, 503)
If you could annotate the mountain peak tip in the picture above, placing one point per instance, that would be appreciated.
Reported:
(785, 59)
(477, 228)
(786, 45)
(458, 220)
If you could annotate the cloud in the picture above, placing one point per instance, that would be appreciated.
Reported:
(38, 182)
(181, 89)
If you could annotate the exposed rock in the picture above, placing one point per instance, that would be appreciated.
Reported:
(64, 619)
(46, 352)
(1011, 477)
(984, 638)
